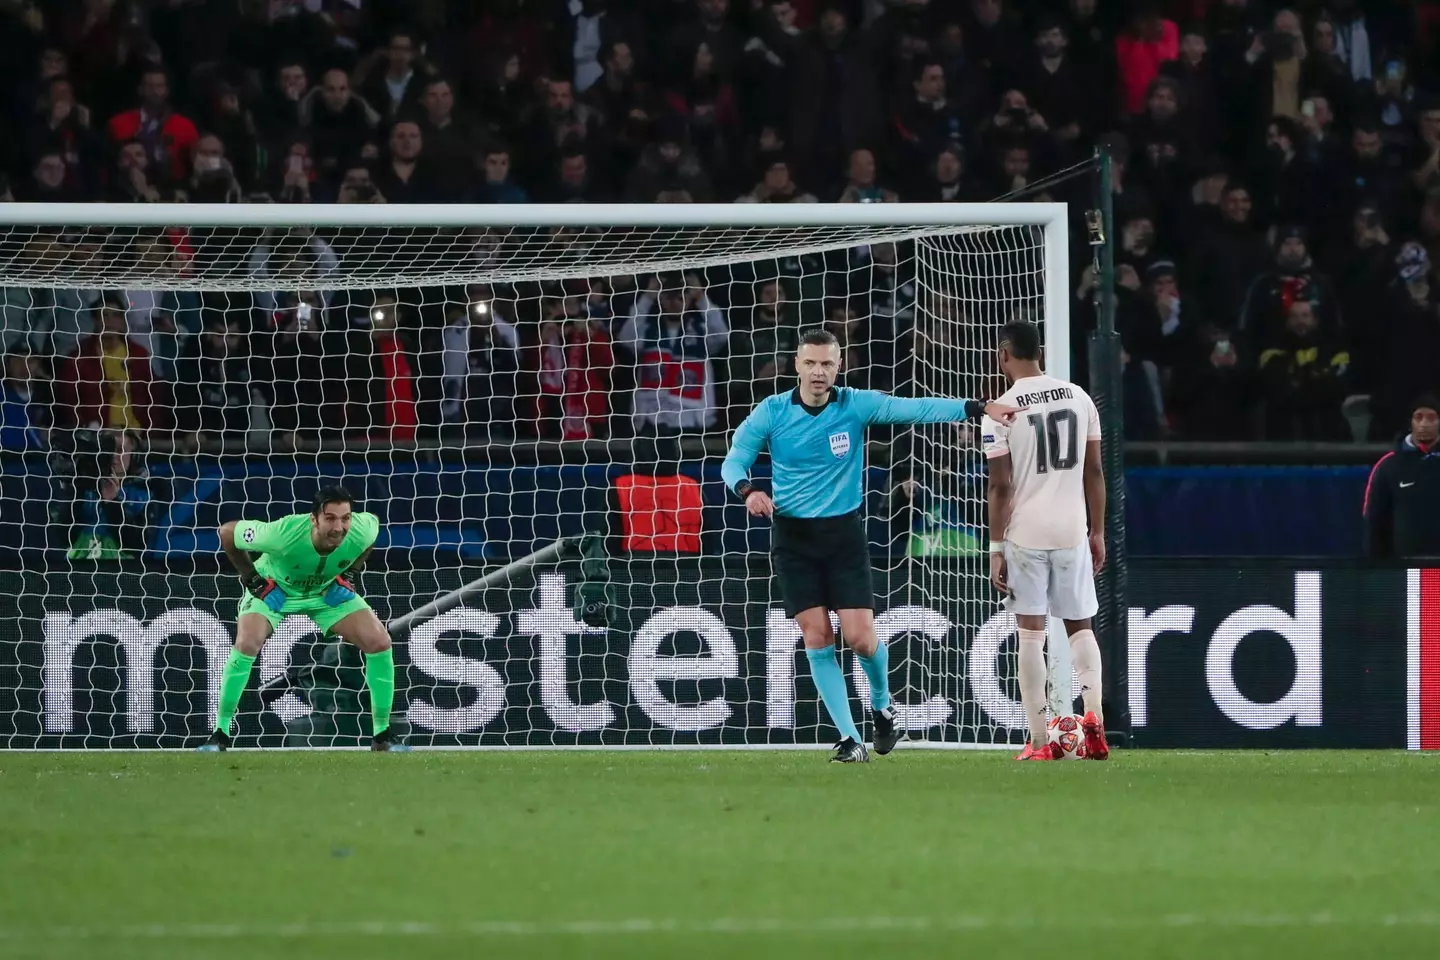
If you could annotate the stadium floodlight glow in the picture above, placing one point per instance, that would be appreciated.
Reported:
(445, 293)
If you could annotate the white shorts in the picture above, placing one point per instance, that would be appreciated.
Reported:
(1060, 583)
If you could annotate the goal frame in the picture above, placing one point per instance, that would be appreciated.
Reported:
(1050, 217)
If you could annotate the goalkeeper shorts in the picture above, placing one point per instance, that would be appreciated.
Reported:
(1060, 583)
(324, 616)
(822, 562)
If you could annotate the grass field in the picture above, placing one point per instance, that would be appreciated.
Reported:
(717, 854)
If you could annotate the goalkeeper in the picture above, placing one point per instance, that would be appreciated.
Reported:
(305, 567)
(816, 437)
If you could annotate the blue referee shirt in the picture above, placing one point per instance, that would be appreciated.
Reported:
(817, 454)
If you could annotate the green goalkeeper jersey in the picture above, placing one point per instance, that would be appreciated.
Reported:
(289, 556)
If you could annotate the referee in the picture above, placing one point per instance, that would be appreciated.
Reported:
(816, 437)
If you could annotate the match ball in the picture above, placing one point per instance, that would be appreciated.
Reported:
(1066, 732)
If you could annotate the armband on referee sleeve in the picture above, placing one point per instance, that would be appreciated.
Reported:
(974, 409)
(744, 488)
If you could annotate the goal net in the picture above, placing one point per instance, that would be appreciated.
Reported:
(535, 402)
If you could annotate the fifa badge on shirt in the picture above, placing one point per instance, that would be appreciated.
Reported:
(839, 444)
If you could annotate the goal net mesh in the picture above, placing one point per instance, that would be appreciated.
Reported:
(486, 393)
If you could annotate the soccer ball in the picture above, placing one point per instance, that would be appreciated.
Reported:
(1067, 733)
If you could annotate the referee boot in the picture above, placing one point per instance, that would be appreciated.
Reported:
(886, 733)
(850, 751)
(218, 742)
(386, 742)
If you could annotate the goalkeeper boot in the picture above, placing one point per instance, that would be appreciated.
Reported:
(219, 741)
(850, 751)
(1095, 746)
(1046, 751)
(886, 733)
(385, 742)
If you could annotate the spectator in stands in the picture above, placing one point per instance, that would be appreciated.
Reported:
(1363, 265)
(948, 172)
(1400, 516)
(673, 340)
(61, 125)
(1161, 327)
(132, 179)
(861, 183)
(1054, 85)
(1292, 277)
(398, 88)
(339, 121)
(480, 364)
(106, 381)
(1412, 335)
(1424, 157)
(495, 184)
(620, 97)
(705, 100)
(572, 367)
(924, 121)
(212, 397)
(1148, 41)
(48, 181)
(118, 501)
(1369, 171)
(233, 123)
(408, 175)
(1214, 389)
(1198, 87)
(562, 127)
(1227, 258)
(1304, 375)
(24, 401)
(851, 330)
(1287, 181)
(767, 345)
(384, 374)
(573, 181)
(307, 381)
(776, 186)
(1163, 142)
(167, 137)
(281, 113)
(670, 163)
(450, 139)
(212, 177)
(1137, 242)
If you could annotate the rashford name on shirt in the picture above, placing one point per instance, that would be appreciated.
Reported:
(1043, 396)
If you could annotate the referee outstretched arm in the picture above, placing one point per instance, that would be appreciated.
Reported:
(816, 438)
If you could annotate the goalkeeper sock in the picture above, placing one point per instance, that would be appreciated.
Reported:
(380, 678)
(830, 681)
(877, 671)
(1032, 682)
(1085, 652)
(232, 685)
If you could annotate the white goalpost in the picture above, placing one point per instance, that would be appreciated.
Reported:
(534, 400)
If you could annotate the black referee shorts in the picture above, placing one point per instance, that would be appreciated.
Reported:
(823, 562)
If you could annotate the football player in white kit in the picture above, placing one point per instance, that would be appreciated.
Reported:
(1047, 527)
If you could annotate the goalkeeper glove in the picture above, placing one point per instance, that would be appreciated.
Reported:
(267, 591)
(341, 591)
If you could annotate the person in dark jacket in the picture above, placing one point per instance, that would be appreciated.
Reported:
(1404, 486)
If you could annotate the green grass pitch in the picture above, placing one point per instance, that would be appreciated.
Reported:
(717, 854)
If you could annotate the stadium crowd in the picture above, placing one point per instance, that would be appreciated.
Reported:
(1276, 186)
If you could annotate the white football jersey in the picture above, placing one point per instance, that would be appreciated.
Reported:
(1046, 444)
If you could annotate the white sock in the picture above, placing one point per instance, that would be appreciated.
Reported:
(1086, 654)
(1032, 682)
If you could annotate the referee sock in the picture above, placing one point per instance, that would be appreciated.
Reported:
(232, 685)
(380, 678)
(830, 681)
(877, 671)
(1032, 682)
(1085, 653)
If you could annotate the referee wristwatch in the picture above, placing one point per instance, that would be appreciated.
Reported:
(744, 488)
(974, 409)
